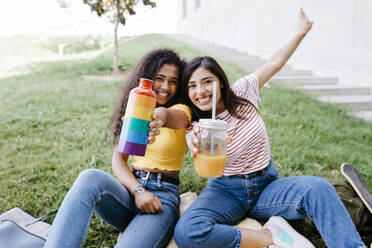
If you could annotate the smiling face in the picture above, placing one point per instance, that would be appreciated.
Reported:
(200, 90)
(165, 83)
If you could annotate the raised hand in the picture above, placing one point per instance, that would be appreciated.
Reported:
(304, 23)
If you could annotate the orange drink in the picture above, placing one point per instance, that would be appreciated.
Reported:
(209, 166)
(211, 158)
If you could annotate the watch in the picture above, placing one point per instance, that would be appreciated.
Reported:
(139, 188)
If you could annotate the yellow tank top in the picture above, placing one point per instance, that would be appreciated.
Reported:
(167, 152)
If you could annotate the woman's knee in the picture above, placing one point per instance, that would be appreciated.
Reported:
(89, 174)
(90, 177)
(319, 184)
(192, 231)
(317, 187)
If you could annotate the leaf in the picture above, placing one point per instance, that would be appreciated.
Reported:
(131, 11)
(122, 20)
(107, 3)
(102, 7)
(148, 2)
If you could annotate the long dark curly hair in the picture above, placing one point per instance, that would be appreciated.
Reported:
(230, 100)
(147, 67)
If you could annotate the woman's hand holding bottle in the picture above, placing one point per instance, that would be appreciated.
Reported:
(159, 119)
(192, 140)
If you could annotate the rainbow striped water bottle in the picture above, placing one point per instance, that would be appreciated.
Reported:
(138, 114)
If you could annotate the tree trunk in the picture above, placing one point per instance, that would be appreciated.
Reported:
(116, 44)
(115, 66)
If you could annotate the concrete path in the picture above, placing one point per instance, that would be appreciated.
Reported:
(357, 99)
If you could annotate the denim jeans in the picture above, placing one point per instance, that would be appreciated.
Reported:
(210, 220)
(97, 191)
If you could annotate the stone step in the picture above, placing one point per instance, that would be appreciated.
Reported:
(240, 57)
(335, 90)
(203, 45)
(249, 65)
(293, 72)
(243, 59)
(212, 48)
(252, 63)
(222, 51)
(358, 99)
(232, 55)
(355, 103)
(289, 71)
(304, 80)
(211, 45)
(228, 55)
(366, 115)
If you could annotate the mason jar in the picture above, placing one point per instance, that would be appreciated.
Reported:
(211, 158)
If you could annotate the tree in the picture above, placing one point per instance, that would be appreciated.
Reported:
(119, 11)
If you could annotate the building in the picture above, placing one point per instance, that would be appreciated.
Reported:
(340, 43)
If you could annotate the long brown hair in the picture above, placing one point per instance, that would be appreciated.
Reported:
(230, 100)
(147, 67)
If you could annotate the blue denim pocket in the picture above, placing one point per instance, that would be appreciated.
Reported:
(271, 171)
(171, 188)
(167, 193)
(257, 184)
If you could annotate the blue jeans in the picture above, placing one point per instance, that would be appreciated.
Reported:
(210, 220)
(97, 191)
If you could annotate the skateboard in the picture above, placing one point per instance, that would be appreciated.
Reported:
(358, 183)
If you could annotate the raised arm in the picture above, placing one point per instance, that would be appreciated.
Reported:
(278, 60)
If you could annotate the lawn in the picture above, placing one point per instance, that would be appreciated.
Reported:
(54, 124)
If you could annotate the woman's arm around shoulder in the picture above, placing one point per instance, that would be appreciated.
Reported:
(278, 60)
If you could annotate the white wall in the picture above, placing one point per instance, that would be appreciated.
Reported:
(340, 43)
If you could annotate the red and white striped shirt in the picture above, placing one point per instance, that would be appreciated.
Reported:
(250, 147)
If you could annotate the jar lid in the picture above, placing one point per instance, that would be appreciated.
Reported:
(213, 124)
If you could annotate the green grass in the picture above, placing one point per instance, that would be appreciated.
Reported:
(54, 124)
(305, 132)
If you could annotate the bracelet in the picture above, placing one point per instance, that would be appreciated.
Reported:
(139, 188)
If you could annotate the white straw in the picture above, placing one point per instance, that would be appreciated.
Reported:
(214, 101)
(213, 115)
